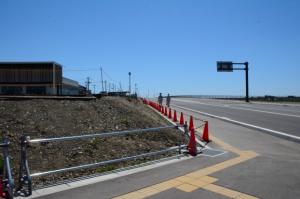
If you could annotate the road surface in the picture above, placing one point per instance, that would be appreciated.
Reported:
(280, 118)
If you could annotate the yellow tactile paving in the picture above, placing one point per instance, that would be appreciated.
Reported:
(149, 191)
(213, 188)
(200, 178)
(245, 196)
(230, 193)
(187, 187)
(227, 192)
(166, 185)
(198, 183)
(223, 165)
(183, 179)
(208, 179)
(225, 145)
(132, 195)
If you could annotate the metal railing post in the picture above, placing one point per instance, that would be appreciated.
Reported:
(186, 130)
(25, 185)
(185, 134)
(180, 141)
(8, 182)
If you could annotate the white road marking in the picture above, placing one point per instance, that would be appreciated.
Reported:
(274, 109)
(278, 133)
(247, 109)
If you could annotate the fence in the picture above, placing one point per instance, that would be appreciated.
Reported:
(25, 177)
(6, 184)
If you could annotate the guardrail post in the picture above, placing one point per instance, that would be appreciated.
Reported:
(186, 132)
(180, 140)
(25, 185)
(7, 182)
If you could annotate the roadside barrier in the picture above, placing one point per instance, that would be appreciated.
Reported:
(25, 177)
(191, 126)
(181, 122)
(6, 182)
(170, 114)
(205, 134)
(192, 146)
(175, 116)
(2, 193)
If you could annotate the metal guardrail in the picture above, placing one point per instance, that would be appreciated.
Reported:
(25, 178)
(86, 166)
(104, 134)
(7, 181)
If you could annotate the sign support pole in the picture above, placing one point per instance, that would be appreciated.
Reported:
(227, 66)
(247, 82)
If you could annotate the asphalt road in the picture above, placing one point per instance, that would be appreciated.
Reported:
(282, 118)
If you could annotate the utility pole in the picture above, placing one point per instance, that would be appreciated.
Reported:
(102, 79)
(105, 86)
(94, 88)
(120, 86)
(135, 88)
(129, 82)
(88, 82)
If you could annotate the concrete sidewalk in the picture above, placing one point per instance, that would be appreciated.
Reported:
(127, 184)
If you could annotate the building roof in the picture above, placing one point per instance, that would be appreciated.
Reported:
(5, 63)
(70, 82)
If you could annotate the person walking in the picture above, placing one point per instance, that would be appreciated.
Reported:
(168, 100)
(160, 99)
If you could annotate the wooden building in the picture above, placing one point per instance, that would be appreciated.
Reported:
(31, 78)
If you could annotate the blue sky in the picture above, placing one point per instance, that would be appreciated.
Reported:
(168, 45)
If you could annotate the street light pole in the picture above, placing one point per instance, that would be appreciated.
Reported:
(129, 82)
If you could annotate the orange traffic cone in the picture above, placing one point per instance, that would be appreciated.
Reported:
(166, 111)
(2, 193)
(181, 121)
(192, 143)
(170, 113)
(191, 126)
(175, 116)
(205, 135)
(162, 110)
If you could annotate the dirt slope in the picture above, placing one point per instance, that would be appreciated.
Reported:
(52, 118)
